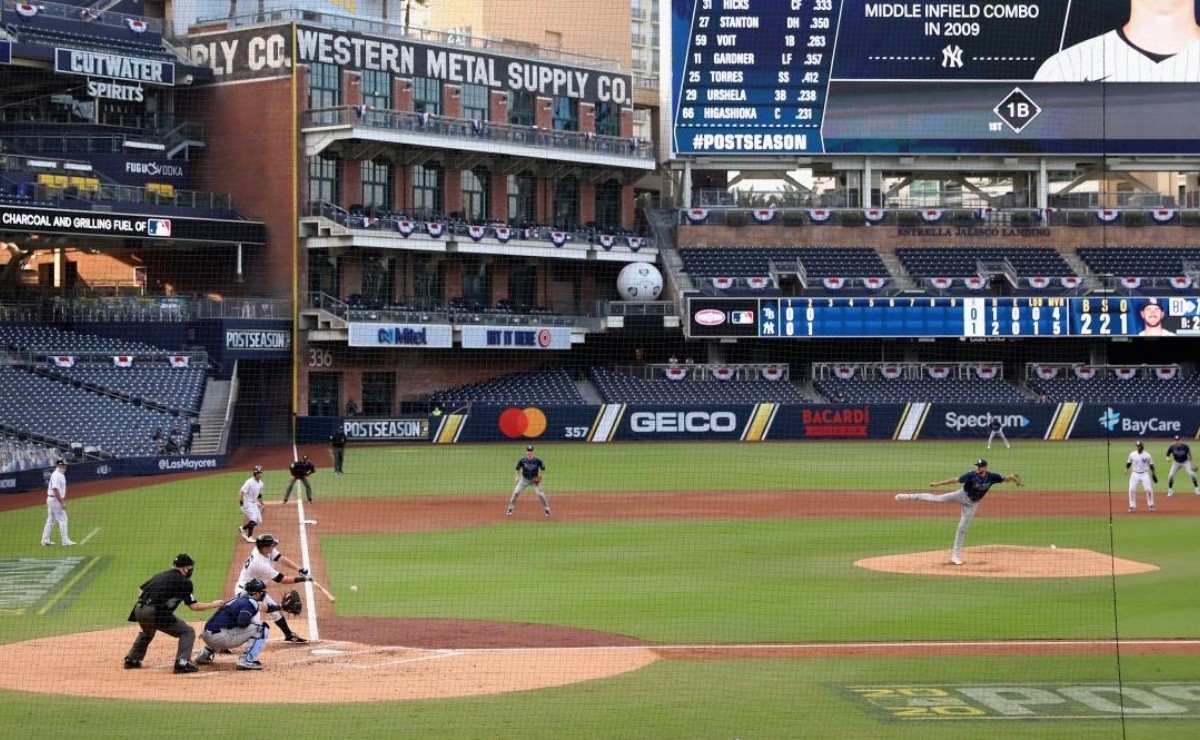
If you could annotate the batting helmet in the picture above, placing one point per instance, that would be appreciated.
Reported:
(257, 469)
(183, 560)
(255, 587)
(266, 540)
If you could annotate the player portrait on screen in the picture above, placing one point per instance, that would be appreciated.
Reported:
(1152, 315)
(1159, 43)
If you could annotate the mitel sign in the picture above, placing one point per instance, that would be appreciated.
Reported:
(400, 335)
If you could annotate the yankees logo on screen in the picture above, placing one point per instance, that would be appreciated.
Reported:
(811, 76)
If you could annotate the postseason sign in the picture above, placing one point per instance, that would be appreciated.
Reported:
(803, 77)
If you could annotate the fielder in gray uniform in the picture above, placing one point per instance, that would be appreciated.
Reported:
(973, 486)
(529, 473)
(1160, 43)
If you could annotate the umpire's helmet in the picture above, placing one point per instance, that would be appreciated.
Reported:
(183, 560)
(266, 540)
(255, 587)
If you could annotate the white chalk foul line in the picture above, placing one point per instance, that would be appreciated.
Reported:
(314, 633)
(91, 534)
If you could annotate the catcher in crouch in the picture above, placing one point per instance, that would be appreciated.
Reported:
(529, 473)
(239, 622)
(260, 565)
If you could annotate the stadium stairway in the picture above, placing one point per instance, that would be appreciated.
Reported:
(1072, 258)
(212, 418)
(589, 392)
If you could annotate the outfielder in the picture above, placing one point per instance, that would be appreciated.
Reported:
(529, 473)
(1140, 466)
(235, 624)
(996, 429)
(249, 496)
(260, 565)
(974, 485)
(56, 506)
(1180, 456)
(1160, 43)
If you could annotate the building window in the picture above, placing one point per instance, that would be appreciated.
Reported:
(377, 89)
(608, 119)
(323, 392)
(376, 184)
(477, 283)
(378, 280)
(323, 181)
(521, 108)
(427, 95)
(475, 186)
(427, 190)
(566, 203)
(566, 114)
(377, 392)
(324, 90)
(522, 199)
(522, 285)
(608, 205)
(475, 102)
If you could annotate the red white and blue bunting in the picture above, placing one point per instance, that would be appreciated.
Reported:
(938, 372)
(845, 372)
(891, 371)
(1125, 373)
(975, 283)
(675, 373)
(136, 25)
(405, 227)
(503, 233)
(697, 215)
(772, 372)
(558, 238)
(635, 243)
(1085, 372)
(820, 215)
(874, 283)
(758, 283)
(607, 241)
(834, 283)
(1039, 282)
(722, 283)
(874, 215)
(476, 232)
(435, 228)
(1164, 215)
(1107, 215)
(723, 372)
(931, 215)
(1181, 282)
(27, 10)
(63, 360)
(123, 361)
(180, 360)
(987, 370)
(1166, 372)
(1069, 281)
(764, 215)
(941, 283)
(1131, 282)
(1047, 372)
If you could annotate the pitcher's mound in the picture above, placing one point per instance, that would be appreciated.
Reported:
(1009, 561)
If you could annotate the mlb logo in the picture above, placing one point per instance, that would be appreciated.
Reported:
(741, 317)
(158, 227)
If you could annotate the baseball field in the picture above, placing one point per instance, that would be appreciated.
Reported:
(679, 591)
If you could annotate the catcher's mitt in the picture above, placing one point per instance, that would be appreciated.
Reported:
(537, 479)
(291, 602)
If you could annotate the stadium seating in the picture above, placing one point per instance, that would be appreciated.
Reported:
(905, 390)
(1105, 387)
(548, 387)
(960, 264)
(39, 339)
(58, 411)
(174, 387)
(733, 270)
(1144, 269)
(17, 454)
(621, 388)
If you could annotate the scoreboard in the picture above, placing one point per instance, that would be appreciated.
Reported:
(943, 317)
(801, 77)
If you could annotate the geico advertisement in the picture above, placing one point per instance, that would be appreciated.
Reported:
(684, 423)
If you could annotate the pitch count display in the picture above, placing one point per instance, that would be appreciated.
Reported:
(802, 77)
(903, 317)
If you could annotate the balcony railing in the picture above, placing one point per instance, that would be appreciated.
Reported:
(476, 130)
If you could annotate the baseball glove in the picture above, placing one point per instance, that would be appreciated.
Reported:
(537, 479)
(291, 602)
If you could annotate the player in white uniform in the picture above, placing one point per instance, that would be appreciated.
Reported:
(1140, 466)
(249, 496)
(1160, 43)
(56, 510)
(260, 564)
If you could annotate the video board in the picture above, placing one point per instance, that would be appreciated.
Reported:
(942, 316)
(804, 77)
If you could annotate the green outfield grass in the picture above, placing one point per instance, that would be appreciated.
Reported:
(674, 582)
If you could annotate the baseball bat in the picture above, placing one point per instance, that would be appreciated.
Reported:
(324, 590)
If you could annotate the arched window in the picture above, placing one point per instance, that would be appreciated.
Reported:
(475, 186)
(427, 191)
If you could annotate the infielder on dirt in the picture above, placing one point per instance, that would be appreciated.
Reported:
(974, 485)
(1160, 43)
(529, 473)
(1140, 466)
(1180, 456)
(260, 565)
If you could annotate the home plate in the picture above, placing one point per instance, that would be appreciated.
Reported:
(328, 651)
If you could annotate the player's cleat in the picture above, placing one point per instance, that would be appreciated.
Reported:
(956, 561)
(47, 544)
(1151, 507)
(547, 513)
(186, 667)
(248, 665)
(130, 663)
(68, 543)
(1132, 509)
(508, 512)
(294, 638)
(904, 497)
(1170, 493)
(204, 657)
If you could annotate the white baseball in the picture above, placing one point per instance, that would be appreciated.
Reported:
(1054, 547)
(354, 588)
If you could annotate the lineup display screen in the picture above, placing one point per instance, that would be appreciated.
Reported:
(803, 77)
(944, 317)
